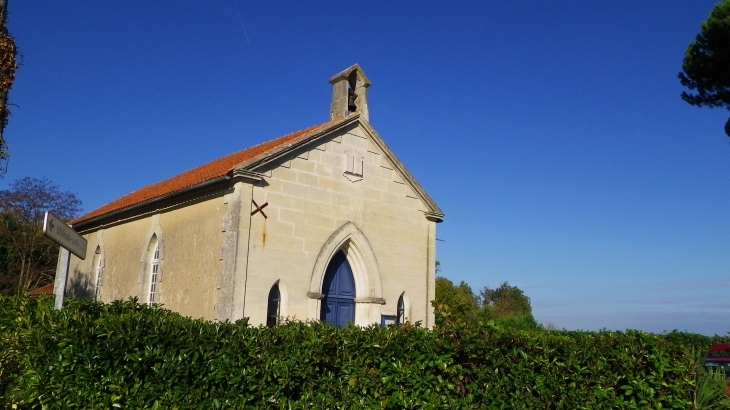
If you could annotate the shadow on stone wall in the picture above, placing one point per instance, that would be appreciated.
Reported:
(79, 286)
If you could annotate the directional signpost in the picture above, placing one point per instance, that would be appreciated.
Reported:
(70, 241)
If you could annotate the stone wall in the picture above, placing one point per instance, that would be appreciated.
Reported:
(191, 238)
(309, 197)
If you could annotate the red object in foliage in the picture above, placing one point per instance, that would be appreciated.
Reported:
(719, 358)
(44, 290)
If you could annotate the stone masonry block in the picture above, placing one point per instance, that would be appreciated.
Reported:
(331, 184)
(279, 200)
(314, 233)
(290, 215)
(354, 141)
(284, 173)
(312, 247)
(323, 170)
(372, 194)
(397, 188)
(326, 210)
(273, 185)
(378, 207)
(303, 165)
(379, 184)
(319, 221)
(357, 132)
(270, 225)
(315, 155)
(308, 179)
(286, 243)
(294, 189)
(318, 195)
(342, 200)
(335, 160)
(373, 158)
(406, 201)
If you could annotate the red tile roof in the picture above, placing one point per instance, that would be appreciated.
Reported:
(214, 169)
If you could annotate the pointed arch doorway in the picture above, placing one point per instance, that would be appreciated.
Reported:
(338, 288)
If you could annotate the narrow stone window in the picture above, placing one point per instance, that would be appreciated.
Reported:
(96, 265)
(401, 311)
(274, 305)
(154, 266)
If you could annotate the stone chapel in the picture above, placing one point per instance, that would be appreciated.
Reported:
(321, 224)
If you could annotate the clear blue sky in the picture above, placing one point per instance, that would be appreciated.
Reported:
(550, 133)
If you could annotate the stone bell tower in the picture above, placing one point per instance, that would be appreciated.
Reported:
(350, 93)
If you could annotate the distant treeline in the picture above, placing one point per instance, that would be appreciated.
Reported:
(506, 306)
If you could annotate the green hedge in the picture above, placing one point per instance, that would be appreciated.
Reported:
(125, 355)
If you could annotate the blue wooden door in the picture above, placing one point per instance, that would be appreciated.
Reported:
(338, 305)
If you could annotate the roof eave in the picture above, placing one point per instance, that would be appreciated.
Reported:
(101, 217)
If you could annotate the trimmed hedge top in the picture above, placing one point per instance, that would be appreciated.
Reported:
(126, 355)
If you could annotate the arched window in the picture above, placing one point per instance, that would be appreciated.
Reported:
(274, 305)
(154, 270)
(401, 311)
(97, 269)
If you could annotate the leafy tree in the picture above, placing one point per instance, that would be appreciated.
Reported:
(455, 303)
(8, 66)
(509, 307)
(506, 306)
(27, 257)
(706, 64)
(505, 301)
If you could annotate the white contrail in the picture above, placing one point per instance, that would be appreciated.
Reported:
(241, 20)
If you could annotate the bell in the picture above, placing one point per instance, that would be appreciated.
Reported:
(351, 96)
